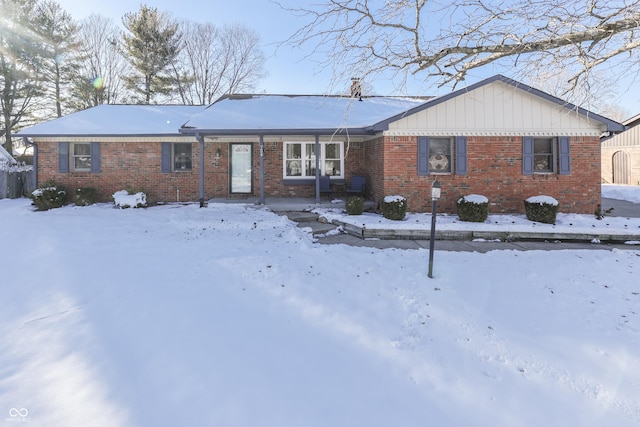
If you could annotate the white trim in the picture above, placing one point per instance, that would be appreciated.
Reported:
(449, 132)
(323, 145)
(72, 157)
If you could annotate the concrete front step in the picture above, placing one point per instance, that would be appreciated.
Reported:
(302, 216)
(317, 228)
(310, 220)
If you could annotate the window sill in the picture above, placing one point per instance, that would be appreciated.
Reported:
(309, 181)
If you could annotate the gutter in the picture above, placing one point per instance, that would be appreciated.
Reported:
(35, 159)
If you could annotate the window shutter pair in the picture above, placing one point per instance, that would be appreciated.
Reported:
(564, 155)
(63, 157)
(460, 153)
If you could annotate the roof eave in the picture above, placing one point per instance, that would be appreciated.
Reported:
(274, 132)
(96, 135)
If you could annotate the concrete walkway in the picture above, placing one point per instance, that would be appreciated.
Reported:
(327, 234)
(298, 210)
(621, 208)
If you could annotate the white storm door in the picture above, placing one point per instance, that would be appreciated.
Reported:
(241, 171)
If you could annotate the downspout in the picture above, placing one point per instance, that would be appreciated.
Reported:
(317, 168)
(200, 139)
(35, 159)
(262, 169)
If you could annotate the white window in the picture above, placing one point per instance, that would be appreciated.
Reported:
(80, 158)
(300, 159)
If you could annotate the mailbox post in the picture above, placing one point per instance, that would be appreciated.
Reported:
(435, 195)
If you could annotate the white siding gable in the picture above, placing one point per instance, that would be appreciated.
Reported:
(497, 108)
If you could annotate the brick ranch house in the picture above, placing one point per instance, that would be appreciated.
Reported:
(499, 138)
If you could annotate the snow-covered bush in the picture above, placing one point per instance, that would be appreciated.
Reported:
(394, 207)
(85, 196)
(123, 199)
(50, 195)
(354, 205)
(5, 164)
(541, 209)
(473, 208)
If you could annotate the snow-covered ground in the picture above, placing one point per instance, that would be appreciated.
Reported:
(231, 316)
(565, 223)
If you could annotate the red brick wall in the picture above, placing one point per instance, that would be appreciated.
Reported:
(137, 165)
(495, 171)
(124, 164)
(389, 163)
(374, 159)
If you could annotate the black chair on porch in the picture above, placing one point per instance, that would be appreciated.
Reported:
(357, 185)
(325, 185)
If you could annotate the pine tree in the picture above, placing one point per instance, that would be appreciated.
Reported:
(60, 37)
(152, 44)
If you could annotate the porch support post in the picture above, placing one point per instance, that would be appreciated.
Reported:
(262, 169)
(317, 168)
(200, 139)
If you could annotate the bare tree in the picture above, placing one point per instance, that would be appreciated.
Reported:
(597, 93)
(217, 61)
(99, 76)
(447, 39)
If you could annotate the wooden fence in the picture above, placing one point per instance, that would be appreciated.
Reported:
(16, 183)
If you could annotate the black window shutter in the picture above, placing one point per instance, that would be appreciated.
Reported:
(95, 157)
(423, 155)
(461, 155)
(63, 157)
(565, 155)
(166, 157)
(527, 155)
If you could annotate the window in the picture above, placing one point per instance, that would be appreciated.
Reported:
(546, 155)
(543, 155)
(300, 159)
(78, 157)
(177, 157)
(442, 155)
(182, 157)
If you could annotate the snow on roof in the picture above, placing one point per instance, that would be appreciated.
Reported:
(5, 156)
(117, 120)
(297, 112)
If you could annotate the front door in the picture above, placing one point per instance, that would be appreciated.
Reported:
(241, 168)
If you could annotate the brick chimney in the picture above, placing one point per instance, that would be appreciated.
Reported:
(356, 88)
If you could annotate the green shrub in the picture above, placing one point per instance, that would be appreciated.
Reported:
(50, 195)
(394, 207)
(354, 205)
(85, 196)
(541, 209)
(473, 208)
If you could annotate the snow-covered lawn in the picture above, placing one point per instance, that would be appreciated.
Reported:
(231, 316)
